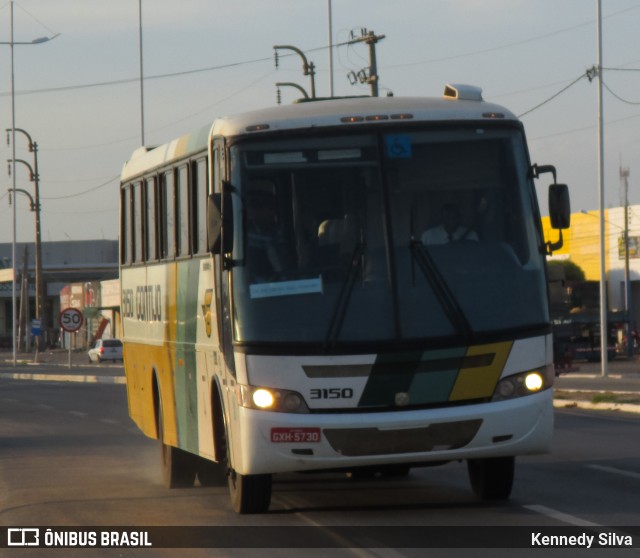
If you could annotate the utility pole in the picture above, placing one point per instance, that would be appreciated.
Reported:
(331, 89)
(624, 175)
(35, 206)
(368, 75)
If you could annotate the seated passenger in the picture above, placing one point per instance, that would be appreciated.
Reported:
(336, 241)
(450, 229)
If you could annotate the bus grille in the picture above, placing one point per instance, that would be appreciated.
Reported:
(357, 442)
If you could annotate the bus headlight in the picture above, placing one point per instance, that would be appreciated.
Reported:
(271, 399)
(533, 381)
(525, 383)
(263, 398)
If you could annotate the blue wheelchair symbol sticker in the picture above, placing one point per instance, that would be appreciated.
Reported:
(398, 146)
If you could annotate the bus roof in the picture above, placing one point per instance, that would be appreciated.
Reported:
(146, 158)
(340, 112)
(330, 113)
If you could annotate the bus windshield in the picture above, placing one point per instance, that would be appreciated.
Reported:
(401, 236)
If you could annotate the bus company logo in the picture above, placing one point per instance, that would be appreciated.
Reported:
(19, 536)
(206, 311)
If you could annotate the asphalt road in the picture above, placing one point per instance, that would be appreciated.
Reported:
(70, 456)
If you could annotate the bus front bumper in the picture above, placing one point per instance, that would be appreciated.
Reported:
(285, 442)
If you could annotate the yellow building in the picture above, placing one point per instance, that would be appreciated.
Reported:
(582, 247)
(582, 242)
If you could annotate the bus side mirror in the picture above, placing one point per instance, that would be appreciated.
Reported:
(219, 224)
(559, 213)
(559, 206)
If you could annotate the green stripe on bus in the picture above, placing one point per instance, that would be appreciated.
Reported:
(185, 365)
(434, 376)
(427, 377)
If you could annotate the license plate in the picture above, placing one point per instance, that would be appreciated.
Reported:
(295, 435)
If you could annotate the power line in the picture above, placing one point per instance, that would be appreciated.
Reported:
(582, 76)
(622, 69)
(135, 79)
(34, 18)
(83, 192)
(173, 123)
(618, 96)
(157, 76)
(510, 45)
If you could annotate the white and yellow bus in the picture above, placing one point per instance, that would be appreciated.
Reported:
(355, 285)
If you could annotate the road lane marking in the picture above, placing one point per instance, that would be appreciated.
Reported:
(615, 471)
(561, 516)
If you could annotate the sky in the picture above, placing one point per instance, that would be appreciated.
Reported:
(78, 95)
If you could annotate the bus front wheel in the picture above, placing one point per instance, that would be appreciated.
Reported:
(250, 493)
(492, 478)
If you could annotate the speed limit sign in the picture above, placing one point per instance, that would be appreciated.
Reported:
(71, 319)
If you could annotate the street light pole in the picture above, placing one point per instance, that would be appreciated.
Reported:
(14, 304)
(331, 89)
(604, 348)
(14, 300)
(141, 73)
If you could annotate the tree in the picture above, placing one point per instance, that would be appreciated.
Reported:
(572, 271)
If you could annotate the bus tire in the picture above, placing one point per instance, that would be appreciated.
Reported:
(178, 466)
(249, 493)
(492, 478)
(216, 473)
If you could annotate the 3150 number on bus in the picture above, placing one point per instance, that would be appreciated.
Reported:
(331, 393)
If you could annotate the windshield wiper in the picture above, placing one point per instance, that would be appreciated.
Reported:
(443, 293)
(340, 309)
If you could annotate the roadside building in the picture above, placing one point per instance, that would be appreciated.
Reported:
(85, 264)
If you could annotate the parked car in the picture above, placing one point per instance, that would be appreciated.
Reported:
(105, 349)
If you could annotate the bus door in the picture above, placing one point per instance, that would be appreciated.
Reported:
(223, 346)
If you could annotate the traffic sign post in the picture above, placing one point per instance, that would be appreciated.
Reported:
(70, 320)
(36, 331)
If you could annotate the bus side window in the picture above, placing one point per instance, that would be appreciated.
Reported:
(125, 227)
(137, 224)
(168, 227)
(199, 198)
(216, 168)
(182, 211)
(151, 247)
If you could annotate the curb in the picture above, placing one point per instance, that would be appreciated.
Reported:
(576, 404)
(78, 378)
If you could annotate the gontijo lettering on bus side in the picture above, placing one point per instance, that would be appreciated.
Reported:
(144, 303)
